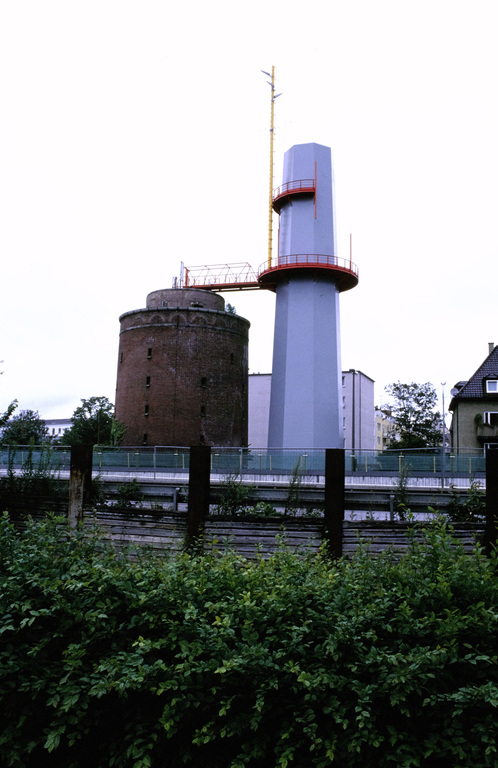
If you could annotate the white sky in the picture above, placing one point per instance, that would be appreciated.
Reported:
(135, 135)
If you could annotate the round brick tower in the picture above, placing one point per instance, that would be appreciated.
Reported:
(182, 371)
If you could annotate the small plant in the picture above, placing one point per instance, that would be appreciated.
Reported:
(233, 496)
(401, 493)
(262, 509)
(472, 509)
(129, 494)
(294, 492)
(97, 491)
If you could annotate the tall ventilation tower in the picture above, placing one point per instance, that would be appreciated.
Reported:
(306, 388)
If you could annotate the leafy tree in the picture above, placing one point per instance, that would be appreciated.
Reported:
(94, 424)
(25, 428)
(4, 417)
(416, 423)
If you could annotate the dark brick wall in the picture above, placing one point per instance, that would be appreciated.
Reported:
(182, 376)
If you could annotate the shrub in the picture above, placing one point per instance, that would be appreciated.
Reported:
(219, 662)
(233, 496)
(34, 485)
(472, 509)
(129, 494)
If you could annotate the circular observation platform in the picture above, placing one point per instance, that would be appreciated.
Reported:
(342, 271)
(285, 193)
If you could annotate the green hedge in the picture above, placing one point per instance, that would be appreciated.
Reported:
(220, 663)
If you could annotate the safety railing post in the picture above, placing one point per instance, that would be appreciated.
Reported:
(198, 493)
(334, 499)
(80, 481)
(491, 529)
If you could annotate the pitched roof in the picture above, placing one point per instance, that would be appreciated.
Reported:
(474, 388)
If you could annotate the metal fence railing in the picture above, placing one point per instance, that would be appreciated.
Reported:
(253, 461)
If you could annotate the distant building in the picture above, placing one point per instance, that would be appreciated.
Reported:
(57, 428)
(358, 411)
(259, 409)
(384, 428)
(474, 407)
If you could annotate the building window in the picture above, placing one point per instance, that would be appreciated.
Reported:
(231, 357)
(203, 410)
(121, 358)
(144, 441)
(492, 386)
(491, 418)
(149, 353)
(203, 382)
(147, 381)
(146, 410)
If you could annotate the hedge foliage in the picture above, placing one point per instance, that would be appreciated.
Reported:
(221, 663)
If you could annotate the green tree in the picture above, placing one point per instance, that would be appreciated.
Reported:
(94, 424)
(416, 423)
(4, 417)
(25, 428)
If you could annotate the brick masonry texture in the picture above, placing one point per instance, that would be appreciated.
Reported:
(182, 373)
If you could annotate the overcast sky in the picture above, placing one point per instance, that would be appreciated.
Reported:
(135, 136)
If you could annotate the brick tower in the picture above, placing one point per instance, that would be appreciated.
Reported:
(182, 371)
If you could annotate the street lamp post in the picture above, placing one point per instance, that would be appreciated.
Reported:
(353, 421)
(443, 446)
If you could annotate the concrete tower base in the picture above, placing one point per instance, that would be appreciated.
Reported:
(305, 407)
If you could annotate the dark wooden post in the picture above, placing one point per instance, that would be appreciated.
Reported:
(80, 479)
(198, 492)
(334, 499)
(491, 532)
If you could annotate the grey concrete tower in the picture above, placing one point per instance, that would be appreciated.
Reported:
(307, 275)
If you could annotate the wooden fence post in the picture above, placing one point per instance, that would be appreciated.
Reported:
(334, 499)
(199, 482)
(80, 479)
(491, 530)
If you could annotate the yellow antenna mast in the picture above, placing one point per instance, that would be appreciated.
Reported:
(274, 96)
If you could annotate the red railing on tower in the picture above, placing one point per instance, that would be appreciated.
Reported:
(345, 271)
(242, 276)
(290, 188)
(226, 277)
